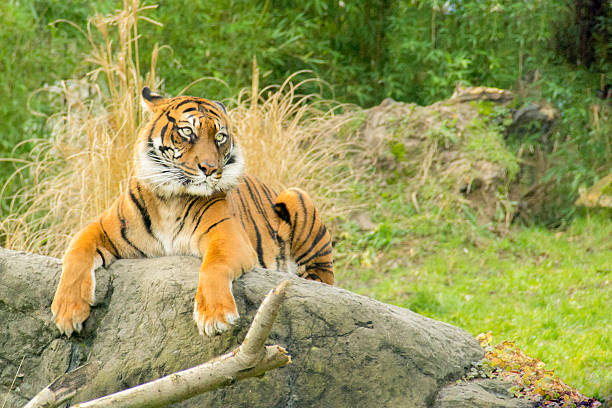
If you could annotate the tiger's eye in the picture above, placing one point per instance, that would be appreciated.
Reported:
(186, 132)
(220, 137)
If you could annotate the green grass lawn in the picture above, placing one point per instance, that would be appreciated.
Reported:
(550, 291)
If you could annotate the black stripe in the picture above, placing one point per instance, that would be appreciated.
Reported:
(163, 132)
(213, 111)
(313, 276)
(324, 270)
(320, 265)
(123, 230)
(199, 102)
(259, 205)
(303, 204)
(314, 217)
(153, 128)
(318, 238)
(190, 110)
(211, 227)
(231, 160)
(215, 224)
(181, 103)
(318, 254)
(328, 270)
(207, 103)
(258, 248)
(184, 218)
(170, 118)
(110, 241)
(315, 242)
(269, 194)
(203, 210)
(240, 210)
(152, 153)
(146, 219)
(101, 256)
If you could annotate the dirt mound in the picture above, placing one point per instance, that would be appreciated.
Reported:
(452, 151)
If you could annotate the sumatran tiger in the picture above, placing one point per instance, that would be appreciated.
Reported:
(189, 196)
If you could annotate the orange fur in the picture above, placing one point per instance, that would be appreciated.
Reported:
(189, 196)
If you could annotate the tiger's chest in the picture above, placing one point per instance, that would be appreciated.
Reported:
(178, 241)
(177, 223)
(173, 231)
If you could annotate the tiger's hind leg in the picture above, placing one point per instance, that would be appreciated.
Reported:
(303, 237)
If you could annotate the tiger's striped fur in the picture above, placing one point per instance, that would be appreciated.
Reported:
(189, 196)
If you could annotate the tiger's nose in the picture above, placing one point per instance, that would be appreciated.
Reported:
(207, 168)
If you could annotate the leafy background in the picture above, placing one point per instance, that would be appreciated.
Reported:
(411, 51)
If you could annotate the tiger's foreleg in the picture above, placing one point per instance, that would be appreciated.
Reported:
(227, 253)
(87, 251)
(301, 226)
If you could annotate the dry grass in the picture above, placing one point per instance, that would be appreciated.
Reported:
(292, 140)
(82, 167)
(74, 175)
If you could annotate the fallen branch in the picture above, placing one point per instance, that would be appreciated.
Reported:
(64, 386)
(250, 359)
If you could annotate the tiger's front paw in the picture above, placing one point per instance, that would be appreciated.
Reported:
(70, 309)
(215, 312)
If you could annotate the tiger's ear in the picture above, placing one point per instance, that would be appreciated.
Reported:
(150, 100)
(221, 106)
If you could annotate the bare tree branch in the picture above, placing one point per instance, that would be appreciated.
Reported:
(250, 359)
(64, 386)
(262, 323)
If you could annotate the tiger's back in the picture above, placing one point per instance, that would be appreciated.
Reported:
(285, 230)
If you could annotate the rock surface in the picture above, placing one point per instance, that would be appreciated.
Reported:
(484, 393)
(347, 350)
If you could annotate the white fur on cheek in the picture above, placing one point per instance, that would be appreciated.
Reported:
(153, 175)
(232, 172)
(165, 180)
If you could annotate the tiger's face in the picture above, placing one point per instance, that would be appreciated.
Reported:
(187, 147)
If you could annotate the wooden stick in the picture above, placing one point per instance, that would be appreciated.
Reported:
(250, 359)
(64, 386)
(262, 324)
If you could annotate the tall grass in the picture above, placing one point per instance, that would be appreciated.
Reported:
(74, 175)
(292, 140)
(83, 166)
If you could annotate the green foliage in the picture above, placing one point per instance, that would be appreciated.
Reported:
(35, 54)
(411, 51)
(38, 54)
(546, 290)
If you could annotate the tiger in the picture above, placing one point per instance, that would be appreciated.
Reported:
(189, 195)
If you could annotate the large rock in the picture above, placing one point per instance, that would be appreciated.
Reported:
(482, 393)
(347, 350)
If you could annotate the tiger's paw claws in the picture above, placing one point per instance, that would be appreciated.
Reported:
(211, 319)
(69, 313)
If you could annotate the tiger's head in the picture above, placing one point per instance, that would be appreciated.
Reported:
(187, 147)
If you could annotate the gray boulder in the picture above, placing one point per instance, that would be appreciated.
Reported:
(347, 350)
(481, 393)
